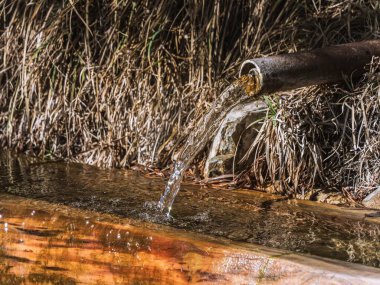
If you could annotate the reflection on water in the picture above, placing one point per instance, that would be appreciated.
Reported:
(239, 216)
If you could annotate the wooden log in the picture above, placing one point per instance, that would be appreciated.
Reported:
(48, 244)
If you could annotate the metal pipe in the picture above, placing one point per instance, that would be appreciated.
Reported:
(294, 70)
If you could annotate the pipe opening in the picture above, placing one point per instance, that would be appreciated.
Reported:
(249, 67)
(251, 75)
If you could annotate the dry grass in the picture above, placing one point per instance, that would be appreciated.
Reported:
(119, 82)
(322, 137)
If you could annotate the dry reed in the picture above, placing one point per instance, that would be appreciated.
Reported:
(322, 137)
(117, 83)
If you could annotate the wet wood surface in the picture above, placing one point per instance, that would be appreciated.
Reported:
(42, 243)
(241, 216)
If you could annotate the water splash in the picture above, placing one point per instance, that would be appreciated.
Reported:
(204, 130)
(172, 187)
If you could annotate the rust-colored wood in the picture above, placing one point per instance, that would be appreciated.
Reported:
(43, 243)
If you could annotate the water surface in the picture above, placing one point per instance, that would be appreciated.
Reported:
(236, 215)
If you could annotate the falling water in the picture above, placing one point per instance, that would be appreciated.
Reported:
(204, 130)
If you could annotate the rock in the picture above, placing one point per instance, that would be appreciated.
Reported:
(372, 200)
(329, 197)
(220, 164)
(234, 137)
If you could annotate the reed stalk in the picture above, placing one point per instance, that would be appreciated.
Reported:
(115, 83)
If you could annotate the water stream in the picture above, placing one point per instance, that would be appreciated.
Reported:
(204, 130)
(242, 216)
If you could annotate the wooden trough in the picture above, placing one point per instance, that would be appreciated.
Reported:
(42, 243)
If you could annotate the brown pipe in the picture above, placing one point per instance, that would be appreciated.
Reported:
(324, 65)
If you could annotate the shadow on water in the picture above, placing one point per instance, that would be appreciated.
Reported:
(237, 215)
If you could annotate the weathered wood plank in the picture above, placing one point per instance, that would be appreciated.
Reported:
(43, 242)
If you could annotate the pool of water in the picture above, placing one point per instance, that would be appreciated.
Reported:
(243, 216)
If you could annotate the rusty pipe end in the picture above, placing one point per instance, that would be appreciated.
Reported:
(300, 69)
(251, 77)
